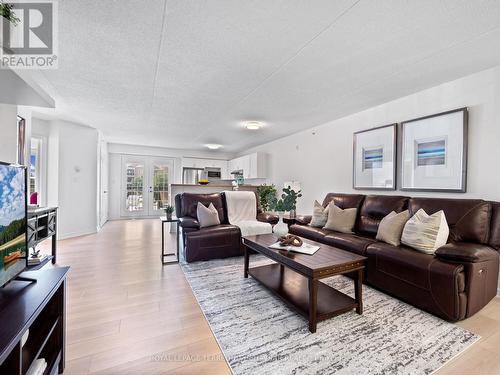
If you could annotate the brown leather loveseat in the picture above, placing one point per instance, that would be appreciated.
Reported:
(219, 241)
(455, 283)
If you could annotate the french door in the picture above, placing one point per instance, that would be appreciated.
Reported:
(145, 185)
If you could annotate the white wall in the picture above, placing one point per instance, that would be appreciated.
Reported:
(8, 133)
(321, 158)
(72, 175)
(117, 151)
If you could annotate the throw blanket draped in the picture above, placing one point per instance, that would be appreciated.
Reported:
(242, 212)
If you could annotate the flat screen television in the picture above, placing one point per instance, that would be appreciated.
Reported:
(13, 222)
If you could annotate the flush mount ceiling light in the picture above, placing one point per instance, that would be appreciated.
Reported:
(213, 146)
(253, 125)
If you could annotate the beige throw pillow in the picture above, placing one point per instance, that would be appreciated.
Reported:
(207, 217)
(426, 233)
(341, 220)
(319, 216)
(391, 227)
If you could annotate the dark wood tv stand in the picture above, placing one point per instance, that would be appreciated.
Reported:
(39, 307)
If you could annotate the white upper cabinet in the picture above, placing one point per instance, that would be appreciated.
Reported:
(253, 165)
(211, 163)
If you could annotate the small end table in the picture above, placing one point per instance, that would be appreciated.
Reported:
(287, 219)
(164, 220)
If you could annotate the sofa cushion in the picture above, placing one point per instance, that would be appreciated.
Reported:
(425, 232)
(391, 227)
(468, 219)
(188, 203)
(207, 216)
(341, 220)
(306, 231)
(219, 241)
(375, 208)
(319, 216)
(351, 242)
(402, 263)
(344, 200)
(420, 279)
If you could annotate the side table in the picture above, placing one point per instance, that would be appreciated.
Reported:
(164, 220)
(288, 220)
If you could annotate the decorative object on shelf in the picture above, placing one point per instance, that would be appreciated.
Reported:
(263, 192)
(291, 240)
(203, 182)
(434, 152)
(7, 13)
(374, 158)
(169, 210)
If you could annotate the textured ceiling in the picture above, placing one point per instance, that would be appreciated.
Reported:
(184, 73)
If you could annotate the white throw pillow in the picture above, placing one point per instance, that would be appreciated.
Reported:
(341, 220)
(207, 217)
(391, 227)
(426, 233)
(319, 216)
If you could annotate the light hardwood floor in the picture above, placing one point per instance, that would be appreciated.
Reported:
(128, 314)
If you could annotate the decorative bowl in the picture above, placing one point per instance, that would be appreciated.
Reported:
(203, 182)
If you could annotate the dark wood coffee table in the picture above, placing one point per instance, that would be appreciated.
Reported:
(295, 277)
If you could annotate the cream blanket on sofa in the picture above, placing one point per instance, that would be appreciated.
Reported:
(242, 212)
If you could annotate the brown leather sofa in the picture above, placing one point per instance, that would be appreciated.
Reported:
(219, 241)
(455, 283)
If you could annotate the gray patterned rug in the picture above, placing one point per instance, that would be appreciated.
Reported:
(259, 334)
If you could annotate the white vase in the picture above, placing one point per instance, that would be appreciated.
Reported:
(280, 229)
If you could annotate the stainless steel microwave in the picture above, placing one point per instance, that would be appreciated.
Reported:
(213, 173)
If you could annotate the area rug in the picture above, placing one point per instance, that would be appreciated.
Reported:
(259, 334)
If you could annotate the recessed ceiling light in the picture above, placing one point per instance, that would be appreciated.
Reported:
(213, 146)
(253, 125)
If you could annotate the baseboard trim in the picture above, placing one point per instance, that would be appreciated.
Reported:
(76, 234)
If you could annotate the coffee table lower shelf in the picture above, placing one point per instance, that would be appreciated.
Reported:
(293, 288)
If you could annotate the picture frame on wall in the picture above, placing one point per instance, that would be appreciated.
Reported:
(434, 152)
(374, 158)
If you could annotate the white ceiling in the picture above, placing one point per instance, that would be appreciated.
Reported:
(185, 73)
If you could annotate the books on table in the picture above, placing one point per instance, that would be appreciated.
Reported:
(304, 249)
(34, 261)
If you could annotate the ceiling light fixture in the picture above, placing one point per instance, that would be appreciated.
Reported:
(213, 146)
(253, 125)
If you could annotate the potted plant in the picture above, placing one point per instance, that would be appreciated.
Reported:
(263, 192)
(169, 210)
(7, 13)
(287, 202)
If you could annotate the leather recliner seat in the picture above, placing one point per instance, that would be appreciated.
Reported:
(455, 283)
(218, 241)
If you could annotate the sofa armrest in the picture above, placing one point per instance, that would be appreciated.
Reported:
(466, 252)
(189, 222)
(303, 219)
(267, 217)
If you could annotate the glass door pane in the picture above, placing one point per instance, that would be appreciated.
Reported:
(160, 186)
(134, 190)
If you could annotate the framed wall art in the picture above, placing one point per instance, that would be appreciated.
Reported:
(374, 159)
(434, 152)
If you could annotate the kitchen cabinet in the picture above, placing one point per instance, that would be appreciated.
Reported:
(211, 163)
(253, 165)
